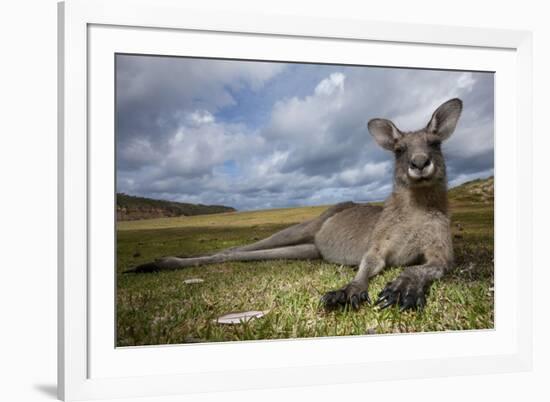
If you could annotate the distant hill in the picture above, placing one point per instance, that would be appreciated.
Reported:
(475, 191)
(130, 208)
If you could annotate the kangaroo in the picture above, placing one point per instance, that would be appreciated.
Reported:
(411, 229)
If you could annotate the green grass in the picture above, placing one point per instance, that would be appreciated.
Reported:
(160, 308)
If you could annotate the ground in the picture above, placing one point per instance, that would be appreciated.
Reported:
(160, 308)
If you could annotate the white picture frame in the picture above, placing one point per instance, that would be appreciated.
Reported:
(91, 367)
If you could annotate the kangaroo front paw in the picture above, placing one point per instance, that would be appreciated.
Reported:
(352, 294)
(406, 292)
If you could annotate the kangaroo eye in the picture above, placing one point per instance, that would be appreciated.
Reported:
(399, 149)
(434, 142)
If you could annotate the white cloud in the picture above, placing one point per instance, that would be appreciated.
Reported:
(198, 149)
(365, 173)
(334, 82)
(200, 117)
(307, 118)
(466, 81)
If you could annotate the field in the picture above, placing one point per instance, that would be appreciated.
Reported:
(160, 308)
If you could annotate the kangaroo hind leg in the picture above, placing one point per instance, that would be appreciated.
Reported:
(302, 233)
(298, 252)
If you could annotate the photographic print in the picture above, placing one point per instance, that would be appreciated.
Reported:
(262, 200)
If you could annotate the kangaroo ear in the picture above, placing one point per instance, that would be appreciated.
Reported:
(384, 132)
(444, 119)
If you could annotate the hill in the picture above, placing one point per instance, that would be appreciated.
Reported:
(131, 208)
(479, 191)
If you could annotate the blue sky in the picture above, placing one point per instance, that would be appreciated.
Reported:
(257, 135)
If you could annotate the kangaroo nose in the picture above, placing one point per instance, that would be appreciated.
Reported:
(420, 161)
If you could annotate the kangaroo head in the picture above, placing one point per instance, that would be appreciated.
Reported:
(418, 158)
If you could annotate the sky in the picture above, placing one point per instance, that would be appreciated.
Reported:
(258, 135)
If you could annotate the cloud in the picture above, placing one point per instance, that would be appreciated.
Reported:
(335, 82)
(259, 135)
(156, 95)
(200, 117)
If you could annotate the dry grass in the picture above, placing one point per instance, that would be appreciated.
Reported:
(229, 219)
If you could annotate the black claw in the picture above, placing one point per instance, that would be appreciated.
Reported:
(408, 302)
(365, 297)
(385, 305)
(341, 297)
(354, 301)
(381, 297)
(389, 300)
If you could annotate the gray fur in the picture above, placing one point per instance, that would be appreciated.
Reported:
(412, 228)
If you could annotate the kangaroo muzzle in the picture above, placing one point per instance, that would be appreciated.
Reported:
(420, 167)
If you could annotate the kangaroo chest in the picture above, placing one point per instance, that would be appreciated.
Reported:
(404, 239)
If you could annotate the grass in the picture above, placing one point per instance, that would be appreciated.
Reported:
(160, 308)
